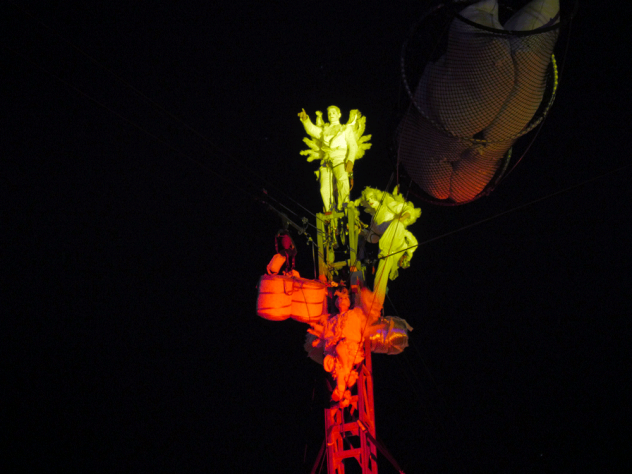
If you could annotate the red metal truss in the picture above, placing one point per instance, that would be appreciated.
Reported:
(350, 432)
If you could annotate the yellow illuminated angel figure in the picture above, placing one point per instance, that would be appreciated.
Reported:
(391, 215)
(337, 146)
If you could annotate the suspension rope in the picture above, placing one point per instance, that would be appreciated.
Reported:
(217, 149)
(517, 208)
(125, 119)
(417, 390)
(559, 72)
(228, 182)
(562, 191)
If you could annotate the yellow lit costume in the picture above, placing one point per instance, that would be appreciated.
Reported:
(337, 146)
(392, 214)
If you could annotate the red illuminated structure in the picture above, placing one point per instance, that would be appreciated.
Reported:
(349, 431)
(342, 339)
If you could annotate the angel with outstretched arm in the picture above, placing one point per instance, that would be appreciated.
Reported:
(337, 146)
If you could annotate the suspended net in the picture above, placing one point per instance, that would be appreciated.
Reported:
(479, 77)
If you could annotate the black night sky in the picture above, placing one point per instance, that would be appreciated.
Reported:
(137, 139)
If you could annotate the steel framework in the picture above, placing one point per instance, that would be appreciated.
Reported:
(350, 432)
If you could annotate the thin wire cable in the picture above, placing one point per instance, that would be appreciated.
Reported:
(417, 390)
(432, 379)
(522, 206)
(218, 150)
(486, 220)
(559, 74)
(130, 122)
(87, 96)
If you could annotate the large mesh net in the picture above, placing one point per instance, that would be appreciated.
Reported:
(475, 85)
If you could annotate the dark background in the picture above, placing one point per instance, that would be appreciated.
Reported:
(136, 139)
